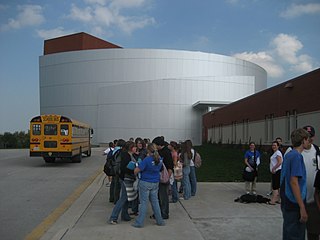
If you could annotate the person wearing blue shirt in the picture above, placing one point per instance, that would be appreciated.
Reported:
(293, 188)
(252, 161)
(149, 185)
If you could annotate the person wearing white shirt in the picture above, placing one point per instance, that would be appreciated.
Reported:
(275, 169)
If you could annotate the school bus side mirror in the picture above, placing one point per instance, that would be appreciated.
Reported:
(91, 133)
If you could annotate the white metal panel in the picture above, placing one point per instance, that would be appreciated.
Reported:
(148, 91)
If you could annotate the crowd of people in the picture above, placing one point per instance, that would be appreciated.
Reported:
(135, 179)
(295, 182)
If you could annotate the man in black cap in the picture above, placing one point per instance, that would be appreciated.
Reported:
(165, 153)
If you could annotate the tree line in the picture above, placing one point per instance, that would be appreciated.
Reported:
(14, 140)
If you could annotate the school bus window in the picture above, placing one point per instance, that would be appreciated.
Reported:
(64, 130)
(36, 129)
(50, 129)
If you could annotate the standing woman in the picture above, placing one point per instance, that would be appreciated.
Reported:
(193, 176)
(148, 186)
(252, 161)
(126, 175)
(141, 152)
(275, 169)
(186, 157)
(173, 146)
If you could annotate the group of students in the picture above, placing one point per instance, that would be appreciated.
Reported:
(138, 181)
(295, 182)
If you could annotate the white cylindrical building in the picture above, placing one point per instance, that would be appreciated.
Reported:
(125, 93)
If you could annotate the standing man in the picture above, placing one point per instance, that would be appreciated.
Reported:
(311, 160)
(293, 187)
(165, 153)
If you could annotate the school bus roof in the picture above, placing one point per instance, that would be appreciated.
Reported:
(56, 117)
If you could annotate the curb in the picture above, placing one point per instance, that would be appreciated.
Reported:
(73, 214)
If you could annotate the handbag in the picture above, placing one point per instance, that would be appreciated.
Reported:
(177, 171)
(197, 160)
(164, 175)
(248, 176)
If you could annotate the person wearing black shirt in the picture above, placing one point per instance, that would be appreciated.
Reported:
(165, 153)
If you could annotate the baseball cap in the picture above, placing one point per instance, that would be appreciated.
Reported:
(310, 130)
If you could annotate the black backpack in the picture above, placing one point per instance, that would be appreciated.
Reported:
(317, 155)
(116, 161)
(108, 167)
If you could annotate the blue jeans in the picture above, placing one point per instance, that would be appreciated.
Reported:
(193, 180)
(148, 191)
(121, 206)
(293, 229)
(186, 183)
(174, 191)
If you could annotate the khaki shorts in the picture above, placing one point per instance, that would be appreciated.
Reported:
(313, 218)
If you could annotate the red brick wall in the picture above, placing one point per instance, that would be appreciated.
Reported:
(303, 96)
(75, 42)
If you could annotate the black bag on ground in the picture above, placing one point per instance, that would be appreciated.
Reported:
(250, 198)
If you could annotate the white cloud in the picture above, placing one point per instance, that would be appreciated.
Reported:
(264, 60)
(105, 15)
(29, 15)
(130, 24)
(304, 64)
(100, 2)
(82, 15)
(296, 10)
(287, 47)
(120, 4)
(282, 55)
(53, 33)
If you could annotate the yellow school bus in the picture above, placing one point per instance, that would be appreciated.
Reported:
(55, 136)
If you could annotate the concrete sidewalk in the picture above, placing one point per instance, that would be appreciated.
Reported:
(212, 214)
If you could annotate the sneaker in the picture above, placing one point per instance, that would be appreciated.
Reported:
(126, 219)
(269, 193)
(254, 193)
(134, 213)
(136, 225)
(113, 222)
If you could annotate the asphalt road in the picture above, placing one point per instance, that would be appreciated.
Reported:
(30, 189)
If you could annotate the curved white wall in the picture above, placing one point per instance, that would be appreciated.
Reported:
(127, 93)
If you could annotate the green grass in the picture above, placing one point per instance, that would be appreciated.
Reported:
(225, 164)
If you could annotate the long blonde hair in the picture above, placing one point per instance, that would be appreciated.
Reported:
(152, 149)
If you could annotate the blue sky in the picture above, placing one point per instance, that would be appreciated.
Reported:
(281, 36)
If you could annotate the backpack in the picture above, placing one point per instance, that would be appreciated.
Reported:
(197, 159)
(249, 198)
(108, 168)
(116, 161)
(317, 155)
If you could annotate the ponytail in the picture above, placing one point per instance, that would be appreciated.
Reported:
(154, 152)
